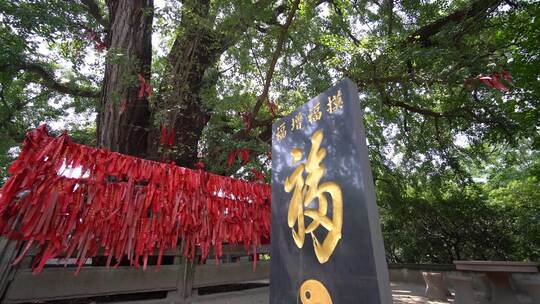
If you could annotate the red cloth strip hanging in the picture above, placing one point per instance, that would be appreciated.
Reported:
(75, 200)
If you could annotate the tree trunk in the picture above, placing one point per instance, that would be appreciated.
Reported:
(179, 104)
(123, 119)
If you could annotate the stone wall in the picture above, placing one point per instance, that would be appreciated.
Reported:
(412, 274)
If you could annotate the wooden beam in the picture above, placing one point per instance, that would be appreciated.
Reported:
(210, 275)
(61, 283)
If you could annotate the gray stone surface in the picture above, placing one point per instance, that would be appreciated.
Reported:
(435, 287)
(401, 293)
(344, 258)
(497, 266)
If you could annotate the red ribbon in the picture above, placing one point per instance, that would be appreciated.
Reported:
(259, 176)
(75, 200)
(167, 138)
(244, 155)
(145, 87)
(494, 80)
(98, 43)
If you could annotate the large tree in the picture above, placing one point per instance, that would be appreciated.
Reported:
(204, 31)
(124, 114)
(417, 65)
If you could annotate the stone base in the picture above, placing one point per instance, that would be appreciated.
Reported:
(435, 288)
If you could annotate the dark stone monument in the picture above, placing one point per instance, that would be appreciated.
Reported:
(327, 245)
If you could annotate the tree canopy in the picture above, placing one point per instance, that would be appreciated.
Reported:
(450, 92)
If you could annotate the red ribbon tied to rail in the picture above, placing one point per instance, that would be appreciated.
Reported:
(72, 200)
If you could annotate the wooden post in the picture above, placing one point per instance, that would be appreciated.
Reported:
(188, 276)
(184, 286)
(8, 250)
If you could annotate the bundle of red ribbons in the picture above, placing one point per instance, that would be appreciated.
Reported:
(71, 200)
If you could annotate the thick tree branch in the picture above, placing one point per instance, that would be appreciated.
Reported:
(268, 80)
(386, 79)
(277, 53)
(47, 79)
(424, 34)
(396, 103)
(93, 9)
(419, 110)
(459, 112)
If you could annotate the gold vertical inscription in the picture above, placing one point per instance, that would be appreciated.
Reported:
(335, 102)
(307, 190)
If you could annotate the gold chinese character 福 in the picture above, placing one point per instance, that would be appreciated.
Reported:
(315, 113)
(281, 132)
(335, 102)
(307, 190)
(314, 292)
(297, 122)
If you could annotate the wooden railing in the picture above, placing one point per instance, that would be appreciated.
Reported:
(179, 279)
